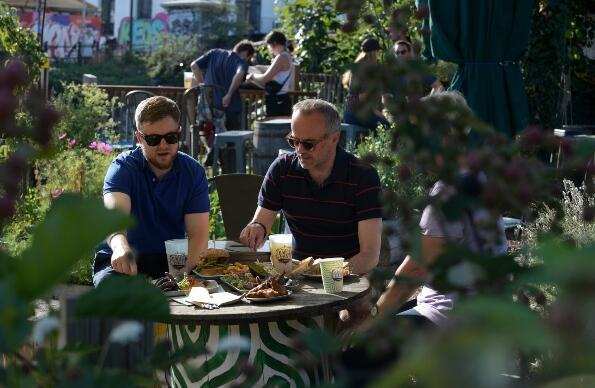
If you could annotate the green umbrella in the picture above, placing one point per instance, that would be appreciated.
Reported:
(487, 39)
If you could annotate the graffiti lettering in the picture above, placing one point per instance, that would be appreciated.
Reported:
(145, 33)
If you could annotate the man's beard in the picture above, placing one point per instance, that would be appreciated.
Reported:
(157, 163)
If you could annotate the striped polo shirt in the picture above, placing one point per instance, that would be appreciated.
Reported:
(323, 219)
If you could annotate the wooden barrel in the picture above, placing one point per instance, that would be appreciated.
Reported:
(269, 137)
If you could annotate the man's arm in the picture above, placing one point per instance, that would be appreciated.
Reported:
(197, 228)
(197, 72)
(369, 233)
(254, 234)
(412, 275)
(122, 256)
(235, 84)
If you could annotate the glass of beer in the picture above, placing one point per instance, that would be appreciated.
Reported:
(281, 245)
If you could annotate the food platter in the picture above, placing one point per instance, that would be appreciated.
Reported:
(271, 299)
(233, 283)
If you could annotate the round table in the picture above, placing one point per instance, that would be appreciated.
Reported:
(269, 327)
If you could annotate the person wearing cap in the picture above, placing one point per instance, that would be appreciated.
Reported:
(357, 105)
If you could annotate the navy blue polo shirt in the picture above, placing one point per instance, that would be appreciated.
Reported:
(158, 205)
(220, 66)
(323, 219)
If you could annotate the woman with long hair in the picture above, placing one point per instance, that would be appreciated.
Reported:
(278, 103)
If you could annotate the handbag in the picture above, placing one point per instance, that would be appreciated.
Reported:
(352, 98)
(274, 87)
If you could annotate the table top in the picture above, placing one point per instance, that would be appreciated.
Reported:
(308, 301)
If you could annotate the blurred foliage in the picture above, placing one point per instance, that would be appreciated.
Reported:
(394, 178)
(166, 66)
(86, 115)
(18, 42)
(322, 42)
(560, 30)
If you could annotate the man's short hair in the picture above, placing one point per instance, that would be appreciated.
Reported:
(328, 110)
(453, 96)
(246, 46)
(154, 109)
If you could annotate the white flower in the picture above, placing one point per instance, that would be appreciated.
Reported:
(127, 331)
(43, 327)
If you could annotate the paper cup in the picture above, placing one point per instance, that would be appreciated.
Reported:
(332, 274)
(177, 254)
(281, 245)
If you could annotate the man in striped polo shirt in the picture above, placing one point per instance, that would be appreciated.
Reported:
(330, 198)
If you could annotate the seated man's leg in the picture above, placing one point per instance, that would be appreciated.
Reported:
(102, 268)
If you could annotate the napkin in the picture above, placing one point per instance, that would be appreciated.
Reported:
(200, 295)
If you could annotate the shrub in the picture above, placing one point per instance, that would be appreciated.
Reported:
(376, 148)
(86, 111)
(128, 70)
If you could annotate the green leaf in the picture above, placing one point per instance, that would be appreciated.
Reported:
(71, 229)
(7, 265)
(124, 297)
(14, 325)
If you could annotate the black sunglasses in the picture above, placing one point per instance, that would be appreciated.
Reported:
(154, 140)
(307, 144)
(401, 52)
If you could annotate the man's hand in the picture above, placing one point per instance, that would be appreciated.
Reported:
(356, 317)
(253, 236)
(226, 100)
(123, 261)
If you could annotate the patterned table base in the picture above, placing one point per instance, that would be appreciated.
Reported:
(270, 355)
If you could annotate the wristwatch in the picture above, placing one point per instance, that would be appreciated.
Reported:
(374, 310)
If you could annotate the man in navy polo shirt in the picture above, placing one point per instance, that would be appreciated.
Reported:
(225, 70)
(164, 189)
(330, 198)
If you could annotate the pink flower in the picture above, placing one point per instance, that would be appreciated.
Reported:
(93, 145)
(104, 148)
(62, 136)
(72, 142)
(57, 193)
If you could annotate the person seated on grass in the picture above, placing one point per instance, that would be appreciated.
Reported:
(330, 198)
(164, 189)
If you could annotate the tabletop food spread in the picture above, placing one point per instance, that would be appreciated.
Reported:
(255, 281)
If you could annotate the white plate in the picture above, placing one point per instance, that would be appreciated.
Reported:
(210, 285)
(265, 300)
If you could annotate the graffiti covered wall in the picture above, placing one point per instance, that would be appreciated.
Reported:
(62, 32)
(146, 33)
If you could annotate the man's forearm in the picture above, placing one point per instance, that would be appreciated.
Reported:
(363, 262)
(235, 83)
(410, 277)
(118, 240)
(196, 245)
